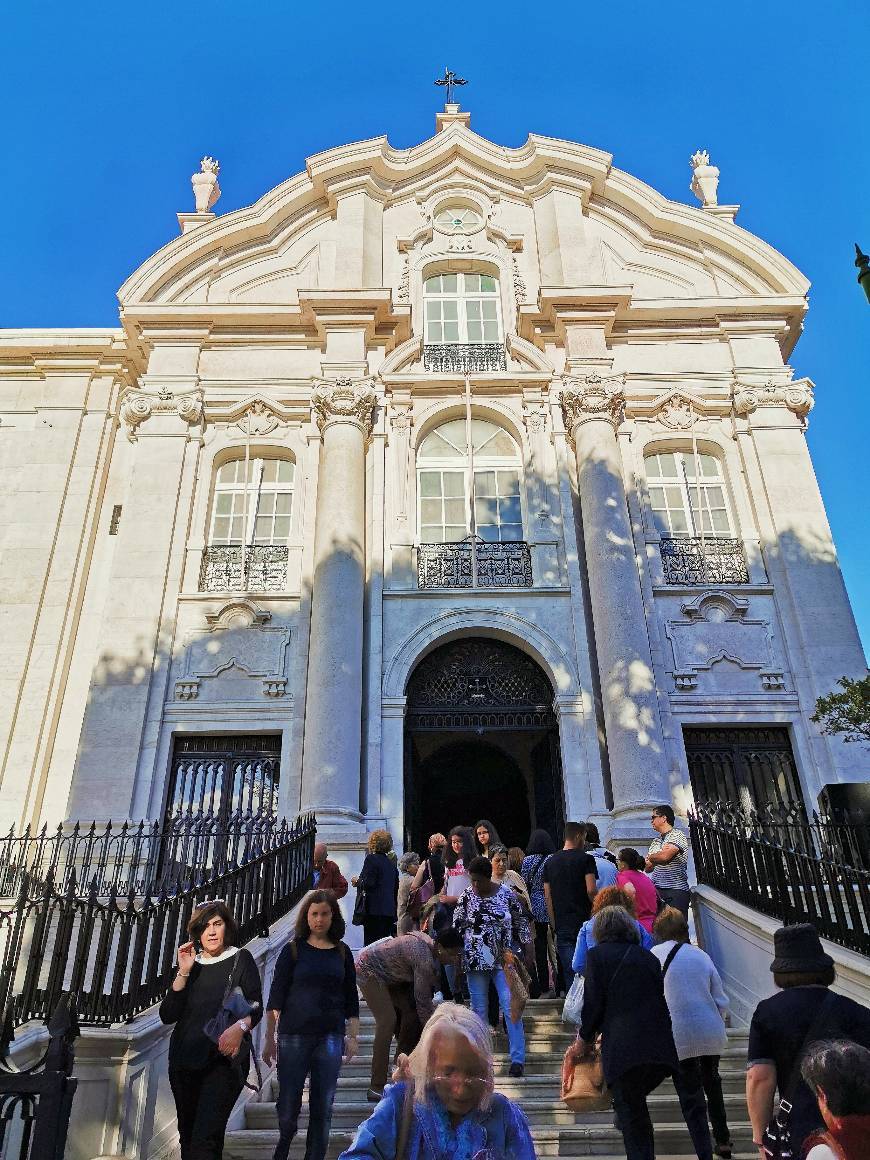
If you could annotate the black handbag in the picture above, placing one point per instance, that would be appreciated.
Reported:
(360, 907)
(776, 1142)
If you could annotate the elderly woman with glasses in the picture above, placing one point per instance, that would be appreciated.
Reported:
(207, 1077)
(448, 1106)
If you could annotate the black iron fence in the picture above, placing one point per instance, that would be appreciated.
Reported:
(175, 855)
(35, 1102)
(793, 872)
(107, 935)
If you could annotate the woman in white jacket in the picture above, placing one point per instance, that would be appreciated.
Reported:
(697, 1003)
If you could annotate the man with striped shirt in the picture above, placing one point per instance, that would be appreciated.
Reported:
(667, 860)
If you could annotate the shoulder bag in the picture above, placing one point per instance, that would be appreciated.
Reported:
(234, 1006)
(360, 906)
(419, 897)
(776, 1142)
(584, 1088)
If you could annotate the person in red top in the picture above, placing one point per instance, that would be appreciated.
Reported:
(327, 875)
(634, 881)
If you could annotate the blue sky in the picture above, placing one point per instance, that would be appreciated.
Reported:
(108, 108)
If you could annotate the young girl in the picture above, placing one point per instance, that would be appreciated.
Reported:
(315, 1004)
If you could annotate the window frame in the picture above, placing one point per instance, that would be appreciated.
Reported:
(689, 488)
(258, 489)
(462, 298)
(460, 465)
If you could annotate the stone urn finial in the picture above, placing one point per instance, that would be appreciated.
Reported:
(206, 190)
(705, 178)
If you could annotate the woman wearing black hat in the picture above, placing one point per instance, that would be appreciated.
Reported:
(785, 1025)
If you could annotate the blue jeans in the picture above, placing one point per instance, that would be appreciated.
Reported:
(478, 989)
(565, 944)
(299, 1056)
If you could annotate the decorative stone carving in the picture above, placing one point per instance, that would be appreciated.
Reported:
(206, 190)
(797, 396)
(536, 420)
(519, 283)
(592, 397)
(716, 627)
(343, 400)
(258, 419)
(705, 178)
(239, 641)
(403, 293)
(677, 412)
(401, 421)
(137, 406)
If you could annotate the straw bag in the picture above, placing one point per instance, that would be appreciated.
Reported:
(583, 1085)
(518, 981)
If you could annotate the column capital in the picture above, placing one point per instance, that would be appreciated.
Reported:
(794, 395)
(344, 400)
(138, 405)
(591, 397)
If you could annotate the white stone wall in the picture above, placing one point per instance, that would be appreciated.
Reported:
(631, 323)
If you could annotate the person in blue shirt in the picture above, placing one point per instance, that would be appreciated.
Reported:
(605, 862)
(448, 1106)
(609, 896)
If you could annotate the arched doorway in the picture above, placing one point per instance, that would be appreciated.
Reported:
(481, 741)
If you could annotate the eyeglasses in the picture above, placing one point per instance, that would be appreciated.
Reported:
(456, 1079)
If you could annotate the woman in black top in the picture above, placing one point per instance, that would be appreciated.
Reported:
(314, 1001)
(380, 880)
(624, 1002)
(207, 1078)
(487, 837)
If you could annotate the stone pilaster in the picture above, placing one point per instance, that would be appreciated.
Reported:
(333, 728)
(592, 409)
(133, 653)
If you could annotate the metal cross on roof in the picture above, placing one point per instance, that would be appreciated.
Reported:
(449, 81)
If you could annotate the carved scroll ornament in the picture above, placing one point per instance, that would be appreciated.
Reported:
(591, 397)
(344, 400)
(137, 406)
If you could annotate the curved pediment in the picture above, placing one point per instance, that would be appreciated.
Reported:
(297, 235)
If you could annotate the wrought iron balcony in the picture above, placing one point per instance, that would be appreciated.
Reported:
(464, 357)
(475, 563)
(711, 560)
(257, 568)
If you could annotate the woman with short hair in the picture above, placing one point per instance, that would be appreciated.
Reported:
(502, 875)
(624, 1002)
(697, 1002)
(608, 896)
(207, 1077)
(839, 1073)
(448, 1108)
(379, 878)
(314, 1003)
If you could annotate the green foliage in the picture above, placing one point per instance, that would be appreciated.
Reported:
(847, 712)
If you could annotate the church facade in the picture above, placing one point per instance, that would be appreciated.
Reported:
(441, 482)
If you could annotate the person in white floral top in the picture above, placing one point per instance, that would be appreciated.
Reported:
(490, 918)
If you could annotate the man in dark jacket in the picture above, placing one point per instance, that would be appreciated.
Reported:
(327, 875)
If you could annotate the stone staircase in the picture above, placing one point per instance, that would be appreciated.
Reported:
(557, 1131)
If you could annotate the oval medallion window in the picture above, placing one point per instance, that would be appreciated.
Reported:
(458, 219)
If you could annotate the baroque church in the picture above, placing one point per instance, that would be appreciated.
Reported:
(441, 482)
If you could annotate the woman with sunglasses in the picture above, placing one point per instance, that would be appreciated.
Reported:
(207, 1077)
(448, 1105)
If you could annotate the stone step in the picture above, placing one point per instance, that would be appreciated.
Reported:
(672, 1141)
(542, 1110)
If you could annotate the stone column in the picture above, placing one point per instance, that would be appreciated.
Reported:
(333, 737)
(592, 409)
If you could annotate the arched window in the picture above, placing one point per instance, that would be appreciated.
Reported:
(687, 494)
(252, 506)
(461, 494)
(461, 308)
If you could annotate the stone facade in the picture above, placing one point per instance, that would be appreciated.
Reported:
(608, 325)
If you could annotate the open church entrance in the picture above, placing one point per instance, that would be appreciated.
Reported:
(481, 741)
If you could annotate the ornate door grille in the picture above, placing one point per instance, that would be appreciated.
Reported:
(224, 777)
(479, 683)
(750, 767)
